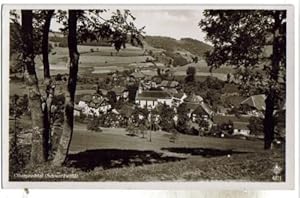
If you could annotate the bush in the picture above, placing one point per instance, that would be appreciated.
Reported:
(178, 60)
(19, 154)
(58, 77)
(81, 118)
(94, 125)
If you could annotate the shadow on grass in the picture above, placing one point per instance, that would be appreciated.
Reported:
(116, 158)
(205, 152)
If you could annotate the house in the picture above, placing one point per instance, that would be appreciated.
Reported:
(98, 106)
(151, 99)
(254, 105)
(178, 98)
(77, 110)
(232, 124)
(241, 128)
(93, 105)
(202, 111)
(121, 92)
(138, 75)
(194, 102)
(165, 84)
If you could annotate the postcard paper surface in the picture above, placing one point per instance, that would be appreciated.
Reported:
(184, 97)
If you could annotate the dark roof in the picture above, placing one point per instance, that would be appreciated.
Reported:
(178, 95)
(118, 90)
(191, 106)
(153, 95)
(232, 100)
(96, 103)
(203, 108)
(256, 101)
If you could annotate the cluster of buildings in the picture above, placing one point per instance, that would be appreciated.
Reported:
(151, 93)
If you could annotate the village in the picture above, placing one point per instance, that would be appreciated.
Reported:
(138, 99)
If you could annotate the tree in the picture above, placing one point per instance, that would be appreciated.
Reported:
(45, 41)
(39, 136)
(68, 124)
(190, 74)
(166, 117)
(84, 25)
(183, 118)
(255, 125)
(80, 25)
(242, 43)
(112, 97)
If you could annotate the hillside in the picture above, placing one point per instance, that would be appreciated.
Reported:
(192, 46)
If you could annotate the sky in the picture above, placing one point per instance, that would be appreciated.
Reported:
(172, 23)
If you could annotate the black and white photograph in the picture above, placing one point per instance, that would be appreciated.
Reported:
(148, 94)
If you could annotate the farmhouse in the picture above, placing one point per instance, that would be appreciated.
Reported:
(232, 124)
(241, 128)
(121, 92)
(255, 105)
(165, 84)
(93, 105)
(202, 111)
(151, 99)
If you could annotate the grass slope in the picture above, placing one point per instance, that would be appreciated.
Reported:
(193, 46)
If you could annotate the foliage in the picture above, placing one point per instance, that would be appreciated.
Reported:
(245, 36)
(93, 124)
(183, 119)
(17, 107)
(112, 97)
(256, 125)
(242, 42)
(166, 117)
(177, 59)
(132, 89)
(169, 44)
(58, 77)
(118, 30)
(190, 74)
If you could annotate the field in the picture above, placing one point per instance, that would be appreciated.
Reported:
(113, 155)
(103, 59)
(120, 157)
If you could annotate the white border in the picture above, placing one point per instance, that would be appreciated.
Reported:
(289, 184)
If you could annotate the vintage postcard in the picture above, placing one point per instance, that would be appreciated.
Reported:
(136, 96)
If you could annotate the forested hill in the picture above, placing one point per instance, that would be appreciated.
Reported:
(193, 46)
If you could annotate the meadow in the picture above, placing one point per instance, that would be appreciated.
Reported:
(113, 155)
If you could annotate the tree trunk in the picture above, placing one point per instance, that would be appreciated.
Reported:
(45, 43)
(66, 136)
(47, 81)
(38, 148)
(269, 121)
